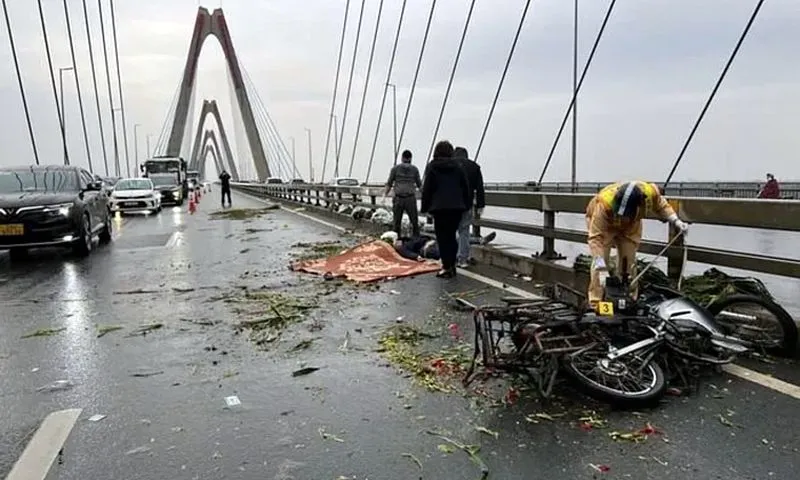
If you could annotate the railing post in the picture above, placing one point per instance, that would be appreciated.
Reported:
(548, 242)
(675, 255)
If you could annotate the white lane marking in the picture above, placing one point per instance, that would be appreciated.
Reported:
(37, 459)
(785, 388)
(299, 214)
(499, 285)
(735, 370)
(173, 240)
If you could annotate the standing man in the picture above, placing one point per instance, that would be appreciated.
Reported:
(225, 181)
(477, 201)
(405, 179)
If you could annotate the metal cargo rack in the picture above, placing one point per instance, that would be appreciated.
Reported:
(542, 332)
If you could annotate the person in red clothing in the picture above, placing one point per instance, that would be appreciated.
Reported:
(771, 189)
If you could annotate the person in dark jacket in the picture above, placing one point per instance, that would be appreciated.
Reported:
(771, 189)
(404, 177)
(445, 195)
(477, 202)
(418, 248)
(225, 184)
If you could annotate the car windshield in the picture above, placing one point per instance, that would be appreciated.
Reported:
(164, 181)
(134, 184)
(38, 180)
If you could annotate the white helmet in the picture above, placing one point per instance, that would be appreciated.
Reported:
(389, 236)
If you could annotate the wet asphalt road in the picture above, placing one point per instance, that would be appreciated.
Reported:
(175, 424)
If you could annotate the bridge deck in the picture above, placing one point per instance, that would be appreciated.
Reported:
(164, 392)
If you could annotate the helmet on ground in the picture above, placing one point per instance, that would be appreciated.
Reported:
(628, 200)
(389, 237)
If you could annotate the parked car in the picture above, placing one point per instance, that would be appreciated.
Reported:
(345, 182)
(168, 186)
(135, 195)
(52, 206)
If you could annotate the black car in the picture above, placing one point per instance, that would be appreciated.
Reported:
(167, 184)
(44, 206)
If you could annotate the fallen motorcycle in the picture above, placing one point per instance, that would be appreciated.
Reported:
(659, 328)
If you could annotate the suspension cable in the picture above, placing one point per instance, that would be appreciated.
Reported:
(108, 83)
(269, 122)
(119, 86)
(366, 87)
(78, 87)
(416, 74)
(170, 112)
(53, 82)
(502, 79)
(452, 76)
(349, 87)
(335, 89)
(576, 90)
(714, 91)
(19, 81)
(94, 82)
(385, 91)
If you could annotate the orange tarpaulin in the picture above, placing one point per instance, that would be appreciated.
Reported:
(368, 262)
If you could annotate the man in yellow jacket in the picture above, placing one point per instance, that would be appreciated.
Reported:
(614, 219)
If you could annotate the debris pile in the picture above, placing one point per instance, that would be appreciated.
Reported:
(267, 313)
(315, 250)
(242, 213)
(436, 371)
(704, 289)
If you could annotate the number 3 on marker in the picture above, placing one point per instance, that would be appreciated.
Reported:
(606, 308)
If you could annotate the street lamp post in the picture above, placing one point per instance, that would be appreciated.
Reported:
(336, 140)
(310, 162)
(61, 97)
(127, 159)
(148, 146)
(394, 114)
(136, 149)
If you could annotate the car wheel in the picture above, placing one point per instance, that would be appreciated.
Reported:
(17, 253)
(83, 246)
(107, 232)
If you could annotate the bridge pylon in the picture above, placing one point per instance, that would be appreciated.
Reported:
(214, 24)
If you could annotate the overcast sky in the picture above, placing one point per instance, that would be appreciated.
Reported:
(654, 68)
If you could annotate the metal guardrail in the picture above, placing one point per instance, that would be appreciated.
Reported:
(781, 215)
(789, 190)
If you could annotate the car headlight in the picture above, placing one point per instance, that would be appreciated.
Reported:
(157, 195)
(62, 209)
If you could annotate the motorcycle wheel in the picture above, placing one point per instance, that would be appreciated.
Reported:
(734, 313)
(616, 382)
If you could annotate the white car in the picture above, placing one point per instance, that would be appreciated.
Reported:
(135, 195)
(345, 182)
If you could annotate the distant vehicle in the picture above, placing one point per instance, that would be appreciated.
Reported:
(193, 184)
(207, 186)
(135, 195)
(52, 206)
(274, 181)
(345, 182)
(168, 186)
(173, 165)
(296, 181)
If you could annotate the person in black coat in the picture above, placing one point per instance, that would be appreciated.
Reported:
(445, 196)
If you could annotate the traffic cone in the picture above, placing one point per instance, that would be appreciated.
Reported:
(192, 205)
